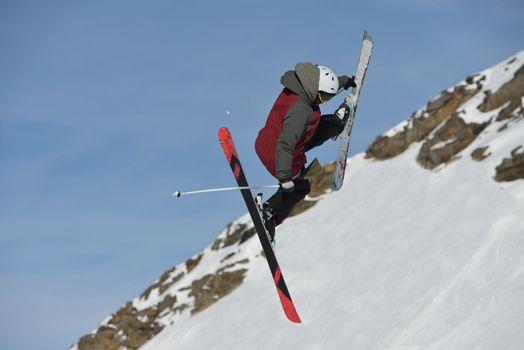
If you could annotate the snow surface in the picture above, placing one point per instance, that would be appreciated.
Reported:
(400, 258)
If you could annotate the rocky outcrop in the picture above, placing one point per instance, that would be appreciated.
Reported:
(447, 141)
(480, 153)
(192, 263)
(510, 93)
(512, 168)
(166, 280)
(127, 328)
(237, 234)
(213, 287)
(422, 123)
(442, 132)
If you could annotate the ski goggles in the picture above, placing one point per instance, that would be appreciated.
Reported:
(324, 96)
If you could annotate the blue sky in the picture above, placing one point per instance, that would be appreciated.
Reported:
(107, 107)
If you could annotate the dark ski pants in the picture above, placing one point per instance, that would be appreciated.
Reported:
(284, 202)
(329, 126)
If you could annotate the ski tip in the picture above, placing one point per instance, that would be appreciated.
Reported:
(295, 319)
(289, 307)
(292, 315)
(367, 36)
(223, 132)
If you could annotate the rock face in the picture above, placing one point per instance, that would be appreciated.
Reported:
(234, 235)
(510, 93)
(448, 140)
(443, 129)
(211, 288)
(421, 124)
(126, 328)
(511, 168)
(480, 153)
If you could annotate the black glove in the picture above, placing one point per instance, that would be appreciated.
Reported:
(347, 82)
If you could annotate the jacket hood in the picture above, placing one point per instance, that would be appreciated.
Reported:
(303, 81)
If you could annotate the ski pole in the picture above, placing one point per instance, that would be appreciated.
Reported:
(178, 193)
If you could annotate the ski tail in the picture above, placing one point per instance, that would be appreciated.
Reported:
(232, 157)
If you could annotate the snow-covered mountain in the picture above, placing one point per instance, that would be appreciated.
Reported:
(423, 248)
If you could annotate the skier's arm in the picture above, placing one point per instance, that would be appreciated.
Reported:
(294, 127)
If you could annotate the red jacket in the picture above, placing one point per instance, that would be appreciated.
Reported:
(280, 144)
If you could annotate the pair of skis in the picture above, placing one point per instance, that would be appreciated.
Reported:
(230, 152)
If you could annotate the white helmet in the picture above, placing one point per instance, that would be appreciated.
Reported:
(328, 81)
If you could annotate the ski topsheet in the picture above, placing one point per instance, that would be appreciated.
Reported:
(232, 157)
(351, 102)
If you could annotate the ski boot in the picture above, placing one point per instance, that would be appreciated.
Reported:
(342, 114)
(268, 216)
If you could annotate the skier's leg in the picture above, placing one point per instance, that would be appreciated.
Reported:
(284, 202)
(328, 127)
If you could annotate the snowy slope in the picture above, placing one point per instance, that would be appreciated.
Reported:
(402, 257)
(419, 262)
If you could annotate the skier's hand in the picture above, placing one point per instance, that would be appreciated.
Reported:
(287, 186)
(347, 82)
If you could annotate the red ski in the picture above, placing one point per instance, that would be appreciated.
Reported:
(232, 157)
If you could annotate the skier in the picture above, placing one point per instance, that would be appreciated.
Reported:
(293, 127)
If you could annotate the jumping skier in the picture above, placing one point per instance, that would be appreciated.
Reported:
(293, 127)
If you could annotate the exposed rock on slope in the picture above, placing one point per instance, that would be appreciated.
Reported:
(128, 328)
(445, 127)
(420, 125)
(510, 93)
(512, 168)
(480, 153)
(448, 140)
(210, 288)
